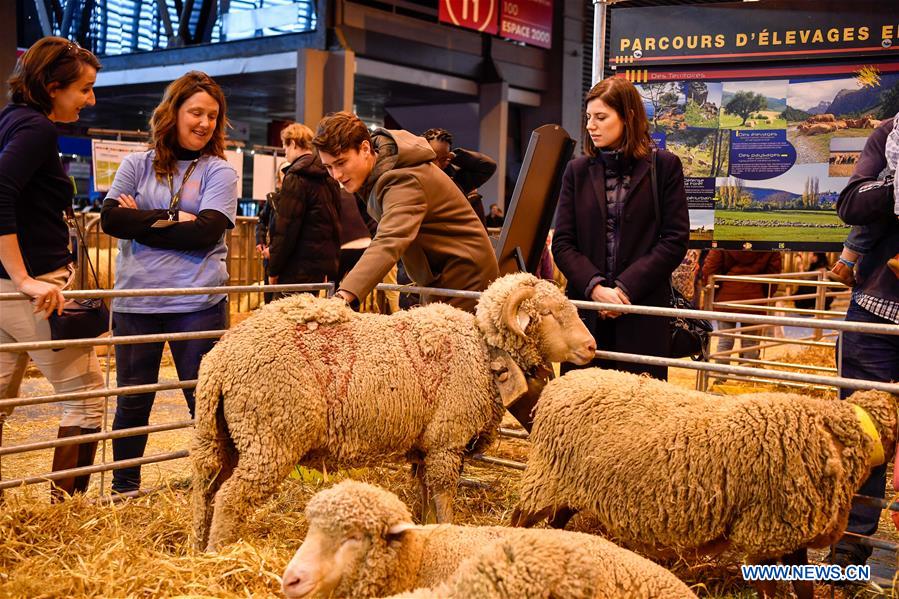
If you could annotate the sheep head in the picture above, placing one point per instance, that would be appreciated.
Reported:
(882, 407)
(357, 545)
(533, 321)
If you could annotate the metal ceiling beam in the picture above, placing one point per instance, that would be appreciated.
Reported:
(43, 17)
(166, 19)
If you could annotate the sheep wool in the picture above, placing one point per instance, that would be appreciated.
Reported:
(466, 561)
(664, 468)
(307, 380)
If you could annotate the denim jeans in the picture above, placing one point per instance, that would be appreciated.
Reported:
(727, 343)
(873, 358)
(138, 364)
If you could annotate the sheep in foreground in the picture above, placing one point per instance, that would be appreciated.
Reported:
(666, 469)
(362, 543)
(307, 380)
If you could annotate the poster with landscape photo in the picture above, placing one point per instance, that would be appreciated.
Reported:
(753, 105)
(821, 110)
(797, 207)
(769, 154)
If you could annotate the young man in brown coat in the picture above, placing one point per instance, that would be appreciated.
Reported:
(422, 215)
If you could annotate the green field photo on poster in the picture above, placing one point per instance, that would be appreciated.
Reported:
(795, 225)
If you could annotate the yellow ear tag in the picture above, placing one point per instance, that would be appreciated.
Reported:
(876, 458)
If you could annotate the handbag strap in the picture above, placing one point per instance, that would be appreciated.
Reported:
(73, 222)
(654, 182)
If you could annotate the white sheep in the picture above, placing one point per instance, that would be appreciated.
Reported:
(362, 543)
(666, 469)
(307, 380)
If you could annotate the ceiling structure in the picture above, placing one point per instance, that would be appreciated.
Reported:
(256, 99)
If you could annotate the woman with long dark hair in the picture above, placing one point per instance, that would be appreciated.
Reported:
(170, 207)
(52, 82)
(613, 241)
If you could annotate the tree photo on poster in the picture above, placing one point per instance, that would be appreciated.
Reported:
(766, 152)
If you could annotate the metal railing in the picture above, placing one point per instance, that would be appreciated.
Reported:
(107, 390)
(754, 319)
(790, 283)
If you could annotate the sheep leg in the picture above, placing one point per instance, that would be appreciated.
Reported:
(245, 491)
(428, 506)
(766, 589)
(256, 476)
(442, 470)
(804, 589)
(562, 516)
(205, 486)
(522, 519)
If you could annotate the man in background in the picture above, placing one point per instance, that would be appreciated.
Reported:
(468, 169)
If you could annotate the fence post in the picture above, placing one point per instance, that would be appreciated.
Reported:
(820, 303)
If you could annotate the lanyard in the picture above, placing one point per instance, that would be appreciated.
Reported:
(176, 196)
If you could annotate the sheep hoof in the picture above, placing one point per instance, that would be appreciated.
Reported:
(312, 325)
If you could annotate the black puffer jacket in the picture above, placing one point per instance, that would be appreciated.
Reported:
(305, 243)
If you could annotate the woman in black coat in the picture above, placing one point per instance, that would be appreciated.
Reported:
(608, 241)
(305, 236)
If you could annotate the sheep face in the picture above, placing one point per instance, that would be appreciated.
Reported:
(560, 333)
(327, 564)
(533, 321)
(354, 546)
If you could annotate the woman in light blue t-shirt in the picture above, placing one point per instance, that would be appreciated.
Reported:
(169, 207)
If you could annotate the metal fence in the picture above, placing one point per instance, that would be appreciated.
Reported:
(243, 260)
(784, 288)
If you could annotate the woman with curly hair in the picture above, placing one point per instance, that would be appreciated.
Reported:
(169, 207)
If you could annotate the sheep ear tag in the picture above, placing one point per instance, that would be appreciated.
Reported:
(877, 456)
(508, 376)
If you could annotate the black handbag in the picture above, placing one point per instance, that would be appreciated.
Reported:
(689, 336)
(80, 318)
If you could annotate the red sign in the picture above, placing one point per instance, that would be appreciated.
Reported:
(528, 21)
(480, 15)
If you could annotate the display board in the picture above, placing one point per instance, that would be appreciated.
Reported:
(769, 140)
(740, 32)
(235, 159)
(767, 151)
(106, 156)
(265, 174)
(534, 199)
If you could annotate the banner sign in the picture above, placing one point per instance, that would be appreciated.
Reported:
(106, 156)
(766, 152)
(480, 15)
(528, 21)
(737, 31)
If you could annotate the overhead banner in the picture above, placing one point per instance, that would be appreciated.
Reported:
(738, 31)
(106, 156)
(480, 15)
(528, 21)
(766, 152)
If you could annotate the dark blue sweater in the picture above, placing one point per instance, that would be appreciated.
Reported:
(860, 204)
(34, 189)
